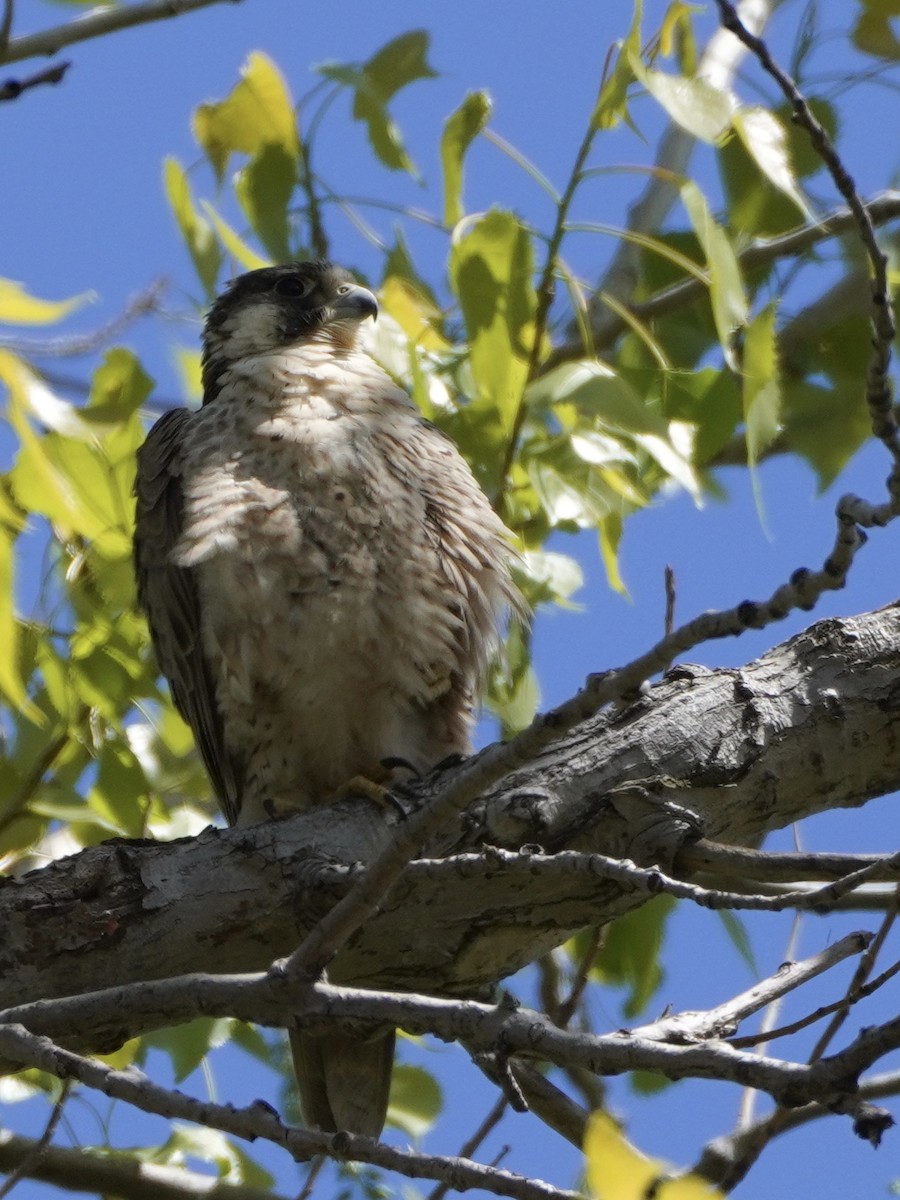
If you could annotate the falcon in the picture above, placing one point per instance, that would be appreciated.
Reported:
(324, 583)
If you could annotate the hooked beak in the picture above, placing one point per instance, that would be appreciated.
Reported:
(354, 302)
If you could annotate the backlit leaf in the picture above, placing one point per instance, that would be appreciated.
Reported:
(767, 143)
(491, 269)
(695, 104)
(617, 1170)
(17, 307)
(196, 231)
(416, 1100)
(726, 289)
(762, 385)
(402, 61)
(460, 130)
(258, 112)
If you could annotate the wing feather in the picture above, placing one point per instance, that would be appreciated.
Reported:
(168, 595)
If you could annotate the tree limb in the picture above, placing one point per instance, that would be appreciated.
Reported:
(733, 753)
(97, 23)
(260, 1121)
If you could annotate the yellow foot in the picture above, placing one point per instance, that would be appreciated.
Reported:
(363, 785)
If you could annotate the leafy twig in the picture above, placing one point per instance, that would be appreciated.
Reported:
(878, 390)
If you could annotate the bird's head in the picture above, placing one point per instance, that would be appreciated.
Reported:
(277, 308)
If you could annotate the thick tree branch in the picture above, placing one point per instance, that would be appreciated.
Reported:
(97, 23)
(809, 726)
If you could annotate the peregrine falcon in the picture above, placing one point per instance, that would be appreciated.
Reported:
(323, 580)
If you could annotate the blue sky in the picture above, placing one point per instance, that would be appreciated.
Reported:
(84, 211)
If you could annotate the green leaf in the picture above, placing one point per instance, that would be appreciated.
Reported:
(617, 1170)
(416, 1100)
(187, 1045)
(551, 578)
(258, 112)
(197, 232)
(610, 533)
(12, 685)
(514, 693)
(233, 242)
(695, 104)
(188, 1142)
(119, 387)
(491, 269)
(460, 130)
(612, 102)
(827, 425)
(726, 289)
(264, 189)
(375, 82)
(630, 954)
(17, 307)
(766, 142)
(873, 32)
(119, 795)
(762, 383)
(736, 929)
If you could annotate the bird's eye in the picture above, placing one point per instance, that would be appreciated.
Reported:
(292, 286)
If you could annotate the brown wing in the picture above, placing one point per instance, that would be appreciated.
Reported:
(168, 595)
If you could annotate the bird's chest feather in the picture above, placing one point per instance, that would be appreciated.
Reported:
(305, 524)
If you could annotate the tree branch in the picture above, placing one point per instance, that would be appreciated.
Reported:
(98, 23)
(82, 1170)
(734, 753)
(11, 89)
(261, 1121)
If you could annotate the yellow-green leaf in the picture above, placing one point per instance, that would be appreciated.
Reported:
(491, 269)
(375, 82)
(617, 1170)
(198, 236)
(726, 288)
(767, 144)
(416, 1100)
(17, 307)
(256, 113)
(460, 130)
(695, 104)
(233, 242)
(762, 383)
(612, 102)
(264, 189)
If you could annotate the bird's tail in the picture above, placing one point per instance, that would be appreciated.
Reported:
(344, 1080)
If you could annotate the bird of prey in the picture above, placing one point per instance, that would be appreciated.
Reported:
(324, 582)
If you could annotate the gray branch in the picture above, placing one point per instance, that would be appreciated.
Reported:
(97, 23)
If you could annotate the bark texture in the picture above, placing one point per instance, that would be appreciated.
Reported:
(731, 754)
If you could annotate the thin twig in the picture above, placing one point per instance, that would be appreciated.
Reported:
(469, 1147)
(11, 89)
(98, 23)
(28, 1164)
(868, 989)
